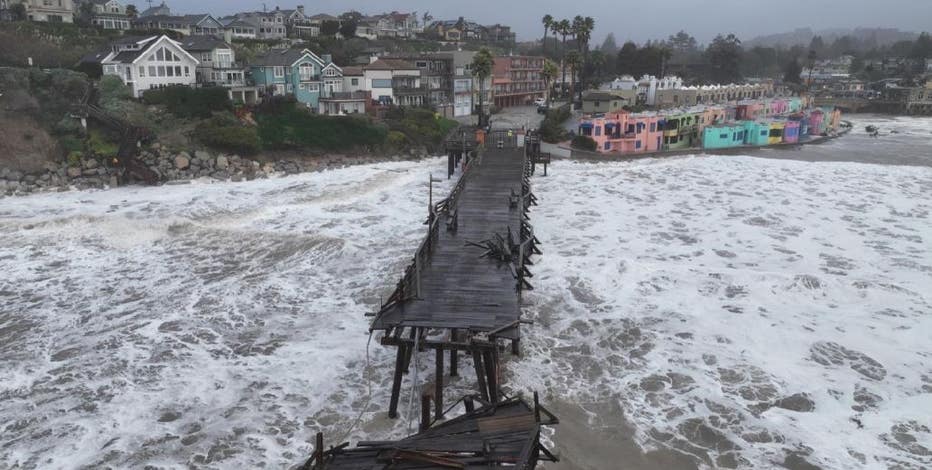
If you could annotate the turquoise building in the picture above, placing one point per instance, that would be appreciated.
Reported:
(723, 136)
(297, 72)
(756, 133)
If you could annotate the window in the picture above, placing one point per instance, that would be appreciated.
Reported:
(608, 146)
(187, 71)
(169, 71)
(653, 127)
(177, 70)
(206, 57)
(763, 133)
(161, 71)
(313, 87)
(354, 82)
(152, 72)
(723, 136)
(381, 83)
(598, 130)
(160, 54)
(142, 71)
(279, 72)
(301, 87)
(637, 144)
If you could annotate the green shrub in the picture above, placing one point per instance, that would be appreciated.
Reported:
(224, 133)
(71, 143)
(551, 130)
(288, 127)
(396, 139)
(99, 144)
(187, 102)
(584, 142)
(74, 159)
(111, 88)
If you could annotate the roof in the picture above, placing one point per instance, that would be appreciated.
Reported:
(202, 43)
(603, 96)
(352, 71)
(323, 17)
(180, 19)
(390, 64)
(126, 57)
(283, 57)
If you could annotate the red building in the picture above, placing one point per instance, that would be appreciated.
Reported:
(517, 81)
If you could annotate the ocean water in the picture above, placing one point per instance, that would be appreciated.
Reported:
(198, 326)
(738, 309)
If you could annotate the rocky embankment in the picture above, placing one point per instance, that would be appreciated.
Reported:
(97, 173)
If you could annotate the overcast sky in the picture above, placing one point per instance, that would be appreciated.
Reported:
(637, 21)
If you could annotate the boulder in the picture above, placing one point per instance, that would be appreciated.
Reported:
(799, 402)
(182, 162)
(74, 172)
(91, 163)
(202, 155)
(222, 163)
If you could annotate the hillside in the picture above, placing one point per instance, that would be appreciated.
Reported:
(869, 37)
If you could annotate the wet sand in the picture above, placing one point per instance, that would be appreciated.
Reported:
(604, 441)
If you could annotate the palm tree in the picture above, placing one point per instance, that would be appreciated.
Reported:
(482, 64)
(573, 60)
(548, 73)
(563, 28)
(582, 30)
(548, 22)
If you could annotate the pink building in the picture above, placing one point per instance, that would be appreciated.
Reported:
(791, 132)
(815, 122)
(749, 111)
(779, 107)
(623, 132)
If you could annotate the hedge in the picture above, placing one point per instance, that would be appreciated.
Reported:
(187, 102)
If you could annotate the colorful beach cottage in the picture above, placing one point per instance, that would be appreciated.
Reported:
(624, 132)
(297, 72)
(720, 136)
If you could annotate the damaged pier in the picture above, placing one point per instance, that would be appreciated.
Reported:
(461, 294)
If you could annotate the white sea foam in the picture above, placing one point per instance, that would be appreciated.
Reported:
(221, 325)
(212, 325)
(700, 292)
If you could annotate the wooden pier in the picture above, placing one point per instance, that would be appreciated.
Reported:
(461, 294)
(504, 434)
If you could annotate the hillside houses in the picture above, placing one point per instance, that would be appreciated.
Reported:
(147, 63)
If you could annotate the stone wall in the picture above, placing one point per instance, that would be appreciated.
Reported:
(89, 173)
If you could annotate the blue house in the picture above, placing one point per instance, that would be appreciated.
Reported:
(297, 72)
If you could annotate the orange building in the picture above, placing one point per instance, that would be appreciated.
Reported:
(517, 81)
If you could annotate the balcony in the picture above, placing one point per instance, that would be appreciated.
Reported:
(305, 77)
(344, 95)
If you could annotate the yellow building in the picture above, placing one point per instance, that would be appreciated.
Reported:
(776, 132)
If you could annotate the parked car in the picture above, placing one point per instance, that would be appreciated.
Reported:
(540, 102)
(542, 109)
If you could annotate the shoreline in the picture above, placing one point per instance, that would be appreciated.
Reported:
(179, 168)
(585, 155)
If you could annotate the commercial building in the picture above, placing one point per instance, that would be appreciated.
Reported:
(517, 80)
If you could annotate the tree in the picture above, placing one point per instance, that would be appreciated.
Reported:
(352, 15)
(573, 61)
(817, 44)
(922, 48)
(86, 12)
(132, 11)
(348, 29)
(811, 58)
(597, 61)
(792, 71)
(627, 59)
(582, 30)
(724, 55)
(563, 27)
(682, 42)
(18, 12)
(609, 46)
(482, 64)
(547, 20)
(548, 73)
(329, 28)
(857, 65)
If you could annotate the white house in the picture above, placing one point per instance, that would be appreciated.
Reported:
(110, 14)
(625, 82)
(386, 76)
(649, 84)
(152, 62)
(57, 11)
(238, 29)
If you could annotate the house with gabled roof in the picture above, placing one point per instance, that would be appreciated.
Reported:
(152, 62)
(297, 72)
(268, 24)
(237, 28)
(110, 14)
(199, 24)
(218, 67)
